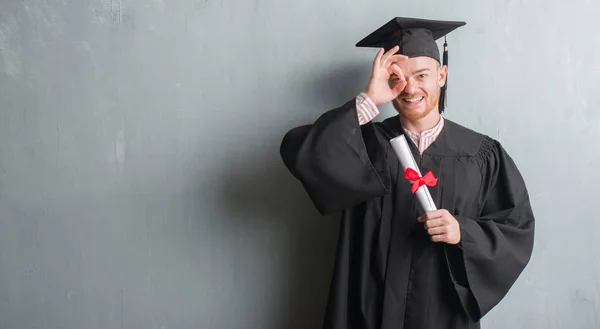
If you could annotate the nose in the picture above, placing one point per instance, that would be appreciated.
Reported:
(411, 86)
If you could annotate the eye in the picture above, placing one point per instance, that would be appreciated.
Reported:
(422, 76)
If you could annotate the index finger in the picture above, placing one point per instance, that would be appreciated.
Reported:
(397, 58)
(431, 215)
(396, 70)
(389, 54)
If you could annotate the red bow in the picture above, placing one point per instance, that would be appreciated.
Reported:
(418, 181)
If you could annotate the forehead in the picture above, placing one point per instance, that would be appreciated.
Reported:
(418, 63)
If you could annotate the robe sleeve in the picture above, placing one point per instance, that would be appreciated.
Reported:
(497, 245)
(339, 162)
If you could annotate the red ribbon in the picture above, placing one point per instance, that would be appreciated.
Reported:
(418, 181)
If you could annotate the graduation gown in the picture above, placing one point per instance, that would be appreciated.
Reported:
(387, 272)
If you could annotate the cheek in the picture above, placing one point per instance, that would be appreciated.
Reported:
(433, 87)
(430, 90)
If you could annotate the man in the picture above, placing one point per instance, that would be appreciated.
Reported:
(396, 266)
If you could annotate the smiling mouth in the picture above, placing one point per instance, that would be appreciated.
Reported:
(413, 101)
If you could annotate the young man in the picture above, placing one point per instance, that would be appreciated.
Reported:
(396, 266)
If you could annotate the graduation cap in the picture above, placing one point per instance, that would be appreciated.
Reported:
(416, 37)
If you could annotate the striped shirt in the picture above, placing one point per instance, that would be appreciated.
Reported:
(367, 110)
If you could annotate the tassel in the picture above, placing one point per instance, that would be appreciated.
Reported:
(442, 104)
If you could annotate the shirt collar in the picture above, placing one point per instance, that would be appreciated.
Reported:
(425, 138)
(432, 131)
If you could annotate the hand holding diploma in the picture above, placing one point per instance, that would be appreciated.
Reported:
(440, 224)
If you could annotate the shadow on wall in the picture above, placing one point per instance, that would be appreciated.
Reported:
(262, 196)
(295, 242)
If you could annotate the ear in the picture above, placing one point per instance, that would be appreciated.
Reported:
(443, 73)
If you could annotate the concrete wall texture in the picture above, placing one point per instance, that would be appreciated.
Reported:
(140, 179)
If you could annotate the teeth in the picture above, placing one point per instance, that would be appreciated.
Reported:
(413, 100)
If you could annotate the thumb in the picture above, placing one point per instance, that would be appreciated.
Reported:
(401, 83)
(399, 87)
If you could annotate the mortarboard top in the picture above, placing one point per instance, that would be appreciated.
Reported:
(416, 37)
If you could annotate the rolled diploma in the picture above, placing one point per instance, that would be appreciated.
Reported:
(402, 150)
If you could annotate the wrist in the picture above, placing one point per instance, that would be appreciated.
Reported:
(370, 97)
(366, 109)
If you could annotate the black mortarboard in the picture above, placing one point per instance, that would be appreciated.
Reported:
(416, 37)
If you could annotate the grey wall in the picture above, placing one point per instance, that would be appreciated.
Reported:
(140, 180)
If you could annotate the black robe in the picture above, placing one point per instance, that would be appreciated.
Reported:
(388, 274)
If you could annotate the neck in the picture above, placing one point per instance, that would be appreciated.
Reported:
(422, 124)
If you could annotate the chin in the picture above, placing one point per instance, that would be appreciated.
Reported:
(412, 114)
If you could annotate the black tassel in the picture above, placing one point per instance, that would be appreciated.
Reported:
(442, 104)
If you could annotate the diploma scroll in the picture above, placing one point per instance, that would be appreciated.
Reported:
(402, 150)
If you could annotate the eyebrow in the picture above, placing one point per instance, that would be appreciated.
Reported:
(420, 71)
